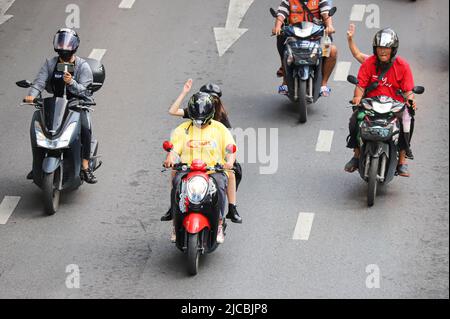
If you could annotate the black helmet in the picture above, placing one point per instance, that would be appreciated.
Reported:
(386, 38)
(201, 108)
(212, 89)
(66, 42)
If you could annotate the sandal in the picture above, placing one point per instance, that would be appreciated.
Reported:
(283, 89)
(325, 91)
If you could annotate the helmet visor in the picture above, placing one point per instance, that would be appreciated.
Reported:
(65, 41)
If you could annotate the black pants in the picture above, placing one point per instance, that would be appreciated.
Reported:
(86, 135)
(352, 141)
(221, 180)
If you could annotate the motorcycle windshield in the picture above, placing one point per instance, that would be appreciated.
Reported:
(54, 110)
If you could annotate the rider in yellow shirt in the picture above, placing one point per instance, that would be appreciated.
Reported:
(205, 139)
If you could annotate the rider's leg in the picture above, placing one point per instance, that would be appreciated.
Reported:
(328, 67)
(352, 143)
(86, 137)
(231, 193)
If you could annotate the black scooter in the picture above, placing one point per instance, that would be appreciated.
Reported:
(56, 145)
(302, 62)
(378, 138)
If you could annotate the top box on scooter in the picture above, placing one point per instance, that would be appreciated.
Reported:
(98, 72)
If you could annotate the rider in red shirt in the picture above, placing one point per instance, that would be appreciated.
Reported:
(399, 76)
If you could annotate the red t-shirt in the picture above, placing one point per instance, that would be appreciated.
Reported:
(399, 76)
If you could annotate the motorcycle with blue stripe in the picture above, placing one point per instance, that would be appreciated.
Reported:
(302, 61)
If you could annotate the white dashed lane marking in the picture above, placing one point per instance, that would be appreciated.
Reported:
(342, 71)
(358, 12)
(7, 207)
(126, 4)
(324, 141)
(304, 226)
(97, 54)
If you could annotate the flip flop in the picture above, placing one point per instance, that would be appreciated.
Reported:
(325, 91)
(283, 90)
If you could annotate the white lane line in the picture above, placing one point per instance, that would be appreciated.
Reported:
(342, 71)
(358, 12)
(303, 227)
(97, 54)
(7, 207)
(126, 4)
(324, 141)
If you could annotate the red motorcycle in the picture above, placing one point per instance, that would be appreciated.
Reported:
(196, 210)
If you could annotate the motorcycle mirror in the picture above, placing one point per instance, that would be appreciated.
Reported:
(24, 84)
(167, 146)
(419, 90)
(273, 12)
(332, 12)
(231, 149)
(352, 79)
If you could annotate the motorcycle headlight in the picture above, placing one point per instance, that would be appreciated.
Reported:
(197, 188)
(61, 142)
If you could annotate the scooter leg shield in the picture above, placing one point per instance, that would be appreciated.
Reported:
(195, 223)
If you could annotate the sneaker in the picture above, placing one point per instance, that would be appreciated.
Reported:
(283, 89)
(402, 170)
(220, 235)
(30, 175)
(88, 176)
(352, 165)
(173, 235)
(409, 154)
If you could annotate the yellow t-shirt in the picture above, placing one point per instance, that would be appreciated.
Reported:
(207, 144)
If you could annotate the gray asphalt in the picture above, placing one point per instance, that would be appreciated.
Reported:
(112, 230)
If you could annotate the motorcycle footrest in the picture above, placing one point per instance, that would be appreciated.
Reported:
(98, 166)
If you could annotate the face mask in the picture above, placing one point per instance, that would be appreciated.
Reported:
(198, 123)
(65, 56)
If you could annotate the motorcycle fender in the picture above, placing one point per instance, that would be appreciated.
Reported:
(195, 223)
(304, 72)
(377, 149)
(50, 164)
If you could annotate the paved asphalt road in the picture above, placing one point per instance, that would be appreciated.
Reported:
(111, 231)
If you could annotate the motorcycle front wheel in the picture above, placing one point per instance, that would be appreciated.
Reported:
(373, 181)
(193, 254)
(51, 193)
(302, 105)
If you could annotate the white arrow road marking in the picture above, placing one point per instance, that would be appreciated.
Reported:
(358, 11)
(226, 37)
(303, 227)
(324, 141)
(126, 4)
(342, 71)
(4, 6)
(97, 54)
(7, 207)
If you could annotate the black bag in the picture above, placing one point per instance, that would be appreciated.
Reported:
(238, 173)
(98, 71)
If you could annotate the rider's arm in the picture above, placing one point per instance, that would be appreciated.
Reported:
(175, 109)
(40, 82)
(357, 54)
(85, 78)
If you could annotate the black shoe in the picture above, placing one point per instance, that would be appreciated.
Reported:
(88, 176)
(409, 154)
(233, 214)
(352, 165)
(167, 216)
(30, 175)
